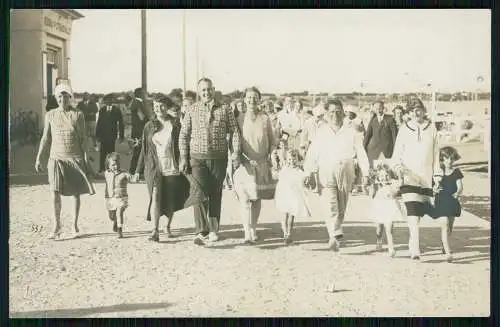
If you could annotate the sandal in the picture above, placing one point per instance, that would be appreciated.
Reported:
(55, 235)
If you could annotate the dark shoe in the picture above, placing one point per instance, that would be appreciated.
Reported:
(120, 232)
(115, 226)
(288, 240)
(155, 237)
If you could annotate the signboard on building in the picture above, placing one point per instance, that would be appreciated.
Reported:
(57, 24)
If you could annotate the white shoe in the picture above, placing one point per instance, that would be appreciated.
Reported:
(213, 237)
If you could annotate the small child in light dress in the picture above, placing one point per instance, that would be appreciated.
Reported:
(278, 155)
(291, 198)
(385, 208)
(447, 187)
(115, 193)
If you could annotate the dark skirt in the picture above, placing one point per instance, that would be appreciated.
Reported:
(416, 200)
(446, 206)
(175, 193)
(69, 177)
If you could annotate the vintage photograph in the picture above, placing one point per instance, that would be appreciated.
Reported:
(249, 163)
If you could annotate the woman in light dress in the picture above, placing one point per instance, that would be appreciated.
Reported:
(293, 123)
(253, 179)
(68, 166)
(415, 158)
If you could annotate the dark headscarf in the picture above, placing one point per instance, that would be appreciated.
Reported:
(51, 103)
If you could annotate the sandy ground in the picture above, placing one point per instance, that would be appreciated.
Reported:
(100, 275)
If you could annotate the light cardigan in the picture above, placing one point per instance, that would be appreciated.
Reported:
(416, 153)
(328, 149)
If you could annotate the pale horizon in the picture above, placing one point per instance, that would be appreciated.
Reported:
(285, 50)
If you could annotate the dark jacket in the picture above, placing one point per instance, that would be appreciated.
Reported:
(380, 137)
(109, 124)
(89, 110)
(137, 124)
(188, 188)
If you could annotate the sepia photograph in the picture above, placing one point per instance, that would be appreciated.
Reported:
(249, 163)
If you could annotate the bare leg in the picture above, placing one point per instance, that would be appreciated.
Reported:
(390, 241)
(155, 212)
(443, 224)
(76, 212)
(120, 219)
(414, 242)
(246, 218)
(284, 224)
(289, 228)
(378, 232)
(168, 231)
(112, 217)
(56, 205)
(451, 221)
(256, 206)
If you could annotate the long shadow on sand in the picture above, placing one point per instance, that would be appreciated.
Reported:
(80, 312)
(472, 243)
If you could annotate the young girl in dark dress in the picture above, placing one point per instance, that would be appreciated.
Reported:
(447, 187)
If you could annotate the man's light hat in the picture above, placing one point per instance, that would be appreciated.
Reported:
(351, 108)
(319, 110)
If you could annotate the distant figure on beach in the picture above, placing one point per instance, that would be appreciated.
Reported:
(139, 119)
(380, 134)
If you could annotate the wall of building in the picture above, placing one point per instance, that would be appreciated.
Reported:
(37, 35)
(26, 60)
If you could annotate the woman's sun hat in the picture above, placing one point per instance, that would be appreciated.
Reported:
(61, 88)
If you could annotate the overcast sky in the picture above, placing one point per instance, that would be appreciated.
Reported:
(284, 50)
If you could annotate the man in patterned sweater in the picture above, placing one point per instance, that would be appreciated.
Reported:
(203, 146)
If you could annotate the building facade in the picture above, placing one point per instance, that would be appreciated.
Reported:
(39, 56)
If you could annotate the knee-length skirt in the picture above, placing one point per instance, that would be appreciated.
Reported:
(69, 177)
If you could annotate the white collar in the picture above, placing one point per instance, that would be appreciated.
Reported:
(139, 99)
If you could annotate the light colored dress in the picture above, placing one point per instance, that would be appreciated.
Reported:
(67, 170)
(416, 152)
(385, 208)
(257, 142)
(291, 195)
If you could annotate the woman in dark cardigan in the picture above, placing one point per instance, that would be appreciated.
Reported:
(169, 189)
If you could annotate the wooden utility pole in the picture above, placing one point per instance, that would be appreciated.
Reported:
(197, 69)
(184, 52)
(144, 55)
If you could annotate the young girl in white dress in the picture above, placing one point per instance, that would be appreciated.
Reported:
(385, 208)
(290, 197)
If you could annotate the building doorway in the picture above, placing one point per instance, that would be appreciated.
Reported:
(52, 70)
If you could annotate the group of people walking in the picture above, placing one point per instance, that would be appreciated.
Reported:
(188, 153)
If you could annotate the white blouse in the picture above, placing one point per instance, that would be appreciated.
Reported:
(163, 143)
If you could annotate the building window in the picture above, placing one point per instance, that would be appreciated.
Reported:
(54, 57)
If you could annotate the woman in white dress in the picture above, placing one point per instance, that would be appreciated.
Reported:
(415, 158)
